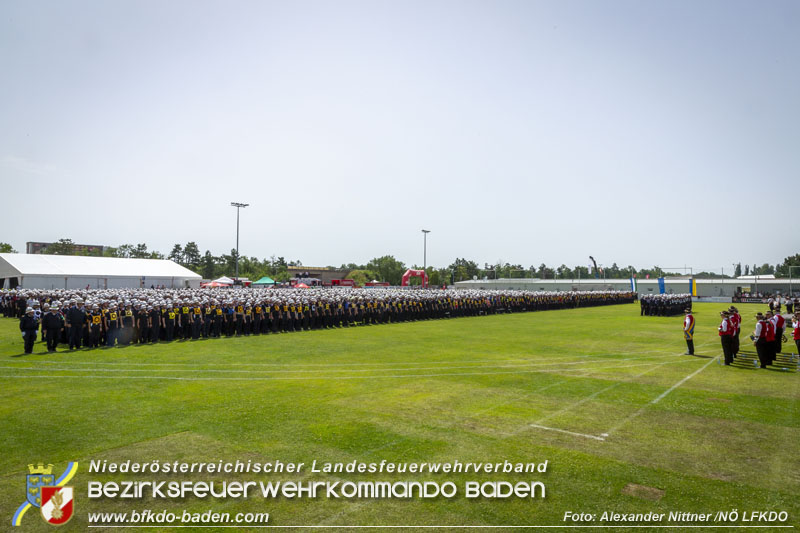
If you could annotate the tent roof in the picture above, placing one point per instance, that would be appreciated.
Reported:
(224, 279)
(14, 265)
(264, 280)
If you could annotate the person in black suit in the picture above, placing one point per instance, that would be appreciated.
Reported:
(28, 325)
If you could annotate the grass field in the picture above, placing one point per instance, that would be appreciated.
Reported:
(472, 389)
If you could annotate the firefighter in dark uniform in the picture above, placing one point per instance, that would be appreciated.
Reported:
(52, 324)
(28, 325)
(186, 321)
(112, 326)
(258, 318)
(76, 319)
(197, 321)
(208, 318)
(143, 323)
(218, 319)
(95, 326)
(128, 322)
(155, 323)
(168, 321)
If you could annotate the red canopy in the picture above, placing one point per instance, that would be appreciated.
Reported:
(301, 286)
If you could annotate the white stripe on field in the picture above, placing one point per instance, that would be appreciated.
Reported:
(597, 393)
(595, 437)
(322, 378)
(660, 397)
(281, 371)
(499, 360)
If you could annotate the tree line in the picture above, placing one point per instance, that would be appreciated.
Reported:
(389, 269)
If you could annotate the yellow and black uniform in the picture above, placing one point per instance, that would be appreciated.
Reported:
(95, 326)
(186, 321)
(155, 324)
(112, 327)
(217, 331)
(169, 316)
(126, 333)
(208, 317)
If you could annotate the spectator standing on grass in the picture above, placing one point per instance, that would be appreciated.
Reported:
(688, 331)
(796, 331)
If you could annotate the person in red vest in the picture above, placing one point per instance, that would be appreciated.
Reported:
(780, 324)
(736, 320)
(760, 339)
(796, 331)
(726, 337)
(770, 337)
(688, 331)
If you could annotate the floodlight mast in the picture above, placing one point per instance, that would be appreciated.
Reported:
(425, 255)
(237, 205)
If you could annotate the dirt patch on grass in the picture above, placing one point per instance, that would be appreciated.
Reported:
(643, 492)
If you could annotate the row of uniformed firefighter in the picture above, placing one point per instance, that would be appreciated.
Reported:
(105, 318)
(664, 304)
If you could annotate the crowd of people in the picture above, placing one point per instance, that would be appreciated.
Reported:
(664, 304)
(768, 336)
(94, 318)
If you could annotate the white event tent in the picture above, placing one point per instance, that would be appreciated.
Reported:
(39, 271)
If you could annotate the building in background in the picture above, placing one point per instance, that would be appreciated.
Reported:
(324, 274)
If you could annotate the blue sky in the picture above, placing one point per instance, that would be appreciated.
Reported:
(638, 132)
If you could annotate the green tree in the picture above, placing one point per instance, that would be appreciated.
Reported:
(191, 255)
(125, 250)
(61, 247)
(6, 248)
(738, 270)
(470, 268)
(176, 254)
(140, 251)
(783, 270)
(360, 277)
(208, 268)
(434, 277)
(388, 269)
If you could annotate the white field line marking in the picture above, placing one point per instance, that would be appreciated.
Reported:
(320, 378)
(597, 393)
(499, 360)
(660, 397)
(595, 437)
(318, 370)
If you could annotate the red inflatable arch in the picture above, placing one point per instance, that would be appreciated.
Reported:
(417, 274)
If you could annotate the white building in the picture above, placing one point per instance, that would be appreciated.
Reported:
(37, 271)
(706, 288)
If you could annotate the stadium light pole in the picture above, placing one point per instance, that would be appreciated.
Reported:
(237, 205)
(425, 255)
(791, 294)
